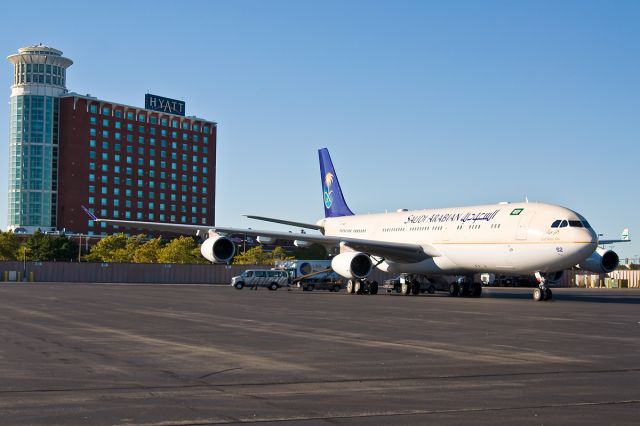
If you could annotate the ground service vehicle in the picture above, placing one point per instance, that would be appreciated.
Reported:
(311, 275)
(271, 278)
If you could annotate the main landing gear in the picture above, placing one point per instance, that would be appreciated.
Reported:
(465, 287)
(355, 286)
(543, 292)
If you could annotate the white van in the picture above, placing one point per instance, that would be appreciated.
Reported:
(273, 279)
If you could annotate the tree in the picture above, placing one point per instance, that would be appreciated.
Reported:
(149, 251)
(257, 256)
(112, 248)
(180, 250)
(9, 245)
(314, 251)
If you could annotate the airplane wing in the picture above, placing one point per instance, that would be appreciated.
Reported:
(624, 238)
(286, 222)
(400, 252)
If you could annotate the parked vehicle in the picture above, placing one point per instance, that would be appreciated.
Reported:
(311, 275)
(271, 278)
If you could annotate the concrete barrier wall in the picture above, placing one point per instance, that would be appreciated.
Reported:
(132, 272)
(222, 274)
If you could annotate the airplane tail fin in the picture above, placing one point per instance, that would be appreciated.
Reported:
(334, 203)
(625, 235)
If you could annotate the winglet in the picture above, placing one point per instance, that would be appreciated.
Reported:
(88, 212)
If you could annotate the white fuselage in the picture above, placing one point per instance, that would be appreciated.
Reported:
(514, 238)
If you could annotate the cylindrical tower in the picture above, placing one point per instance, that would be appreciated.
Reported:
(39, 78)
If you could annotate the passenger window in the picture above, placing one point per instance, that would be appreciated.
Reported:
(563, 224)
(575, 224)
(261, 274)
(248, 274)
(556, 223)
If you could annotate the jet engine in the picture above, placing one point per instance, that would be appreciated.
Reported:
(352, 264)
(218, 249)
(600, 261)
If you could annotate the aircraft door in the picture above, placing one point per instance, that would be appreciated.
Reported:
(523, 224)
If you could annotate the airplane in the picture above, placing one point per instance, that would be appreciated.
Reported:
(504, 238)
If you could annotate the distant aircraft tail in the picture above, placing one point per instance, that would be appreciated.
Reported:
(625, 235)
(334, 203)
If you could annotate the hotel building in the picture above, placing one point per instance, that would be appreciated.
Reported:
(120, 161)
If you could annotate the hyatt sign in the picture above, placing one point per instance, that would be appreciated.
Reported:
(158, 103)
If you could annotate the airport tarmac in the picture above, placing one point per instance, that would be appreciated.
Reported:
(103, 354)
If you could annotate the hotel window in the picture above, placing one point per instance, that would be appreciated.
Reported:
(140, 151)
(140, 171)
(140, 129)
(92, 189)
(92, 200)
(127, 203)
(92, 154)
(185, 125)
(92, 143)
(174, 124)
(92, 177)
(129, 159)
(116, 214)
(185, 147)
(140, 183)
(205, 150)
(103, 201)
(93, 109)
(205, 129)
(116, 203)
(196, 128)
(174, 135)
(139, 215)
(105, 145)
(92, 120)
(127, 215)
(103, 190)
(130, 127)
(162, 217)
(139, 194)
(116, 180)
(141, 118)
(92, 131)
(205, 139)
(105, 122)
(139, 204)
(129, 115)
(164, 121)
(141, 139)
(162, 195)
(118, 124)
(194, 199)
(128, 182)
(116, 191)
(116, 169)
(104, 167)
(152, 141)
(118, 113)
(118, 136)
(163, 132)
(105, 133)
(204, 210)
(129, 149)
(153, 119)
(106, 111)
(116, 157)
(163, 143)
(105, 156)
(195, 148)
(185, 136)
(127, 192)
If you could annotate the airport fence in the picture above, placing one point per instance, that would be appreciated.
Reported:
(73, 272)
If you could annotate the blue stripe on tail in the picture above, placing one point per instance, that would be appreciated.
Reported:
(334, 204)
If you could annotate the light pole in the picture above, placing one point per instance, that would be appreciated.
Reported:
(24, 263)
(80, 248)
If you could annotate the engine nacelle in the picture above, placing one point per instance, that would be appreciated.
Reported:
(600, 261)
(265, 240)
(352, 264)
(301, 244)
(218, 249)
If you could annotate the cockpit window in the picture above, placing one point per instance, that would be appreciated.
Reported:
(575, 224)
(556, 223)
(563, 224)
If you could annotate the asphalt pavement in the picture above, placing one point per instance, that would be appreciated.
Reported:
(107, 354)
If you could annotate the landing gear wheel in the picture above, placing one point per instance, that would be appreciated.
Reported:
(351, 287)
(538, 294)
(336, 288)
(415, 288)
(310, 287)
(431, 289)
(548, 294)
(405, 288)
(464, 290)
(476, 290)
(357, 288)
(454, 289)
(373, 288)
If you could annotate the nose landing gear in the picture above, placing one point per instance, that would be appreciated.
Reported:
(543, 292)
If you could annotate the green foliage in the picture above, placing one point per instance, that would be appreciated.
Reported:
(112, 248)
(181, 250)
(149, 251)
(9, 246)
(314, 251)
(45, 247)
(257, 256)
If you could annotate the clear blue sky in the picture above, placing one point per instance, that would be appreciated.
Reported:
(422, 104)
